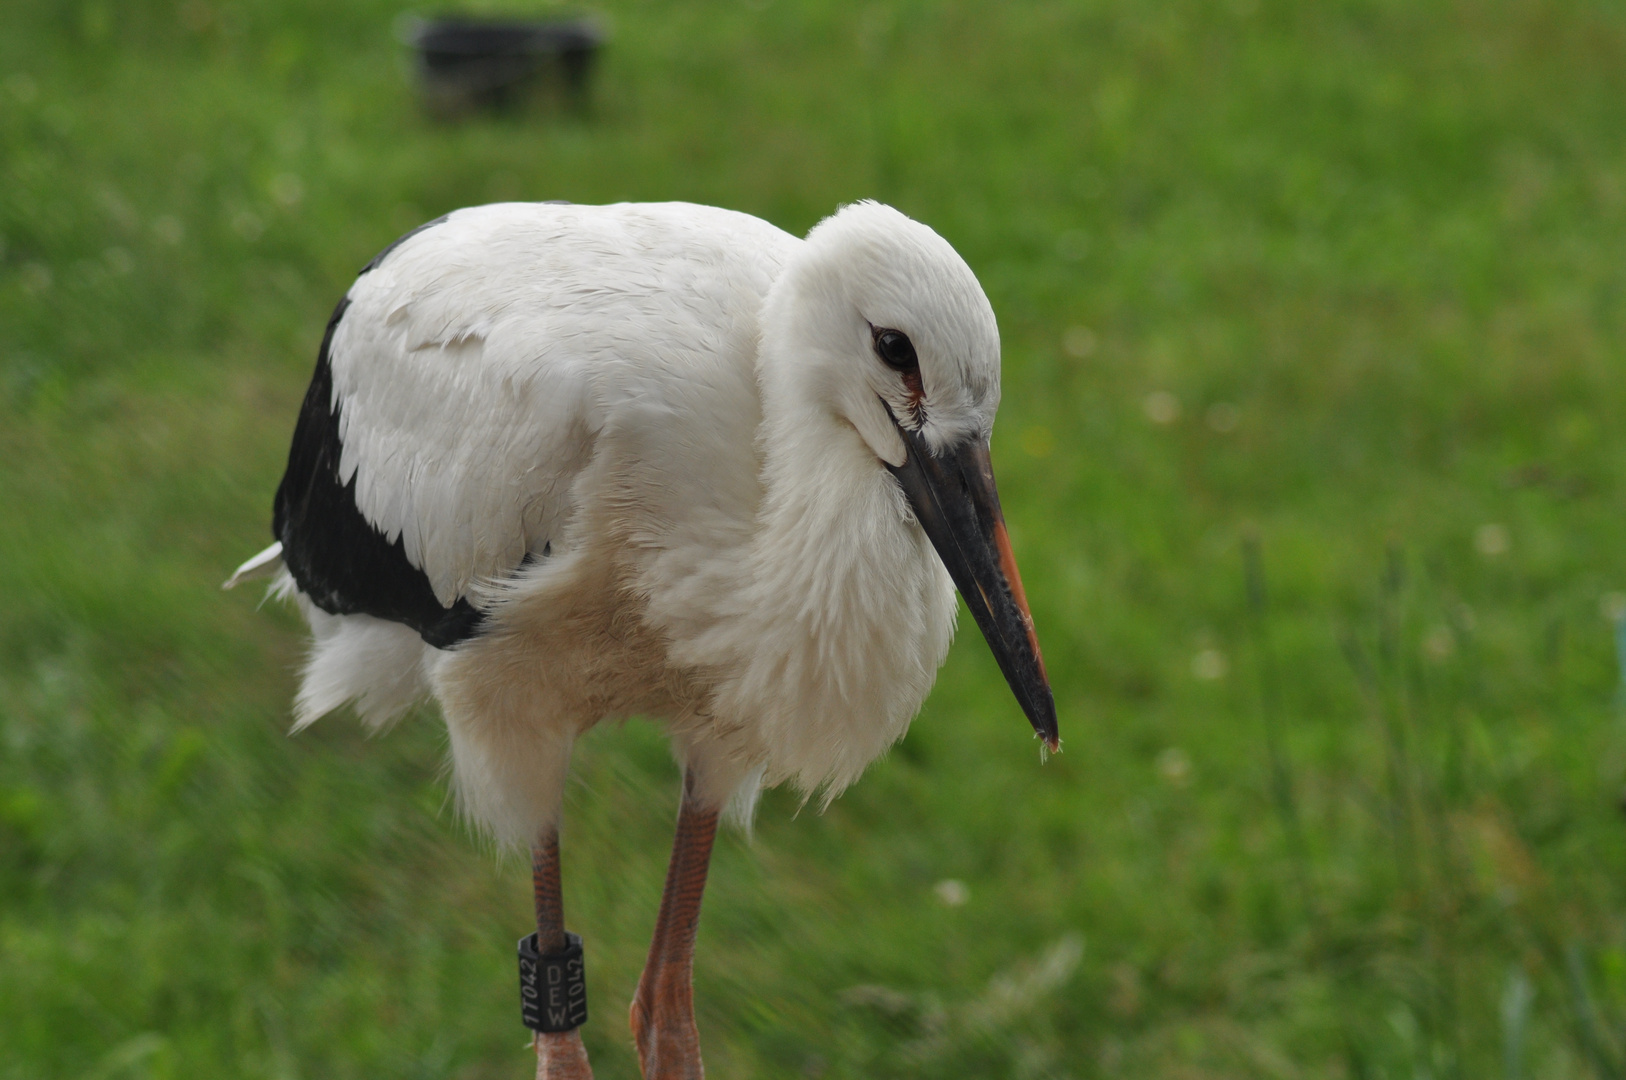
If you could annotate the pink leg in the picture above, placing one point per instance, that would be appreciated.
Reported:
(663, 1008)
(559, 1056)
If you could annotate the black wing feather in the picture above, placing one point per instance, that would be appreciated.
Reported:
(338, 559)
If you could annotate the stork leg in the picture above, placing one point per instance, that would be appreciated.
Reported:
(559, 1055)
(663, 1009)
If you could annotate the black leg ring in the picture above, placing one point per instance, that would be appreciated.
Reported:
(552, 989)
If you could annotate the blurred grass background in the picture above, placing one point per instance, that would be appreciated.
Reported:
(1313, 319)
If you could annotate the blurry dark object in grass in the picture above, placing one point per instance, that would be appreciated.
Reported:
(1538, 475)
(471, 63)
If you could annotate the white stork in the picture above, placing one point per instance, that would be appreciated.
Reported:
(564, 464)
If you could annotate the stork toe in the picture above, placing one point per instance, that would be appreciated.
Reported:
(561, 1056)
(663, 1028)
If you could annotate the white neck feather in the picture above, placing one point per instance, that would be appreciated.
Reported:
(841, 613)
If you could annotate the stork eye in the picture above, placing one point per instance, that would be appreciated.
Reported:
(895, 351)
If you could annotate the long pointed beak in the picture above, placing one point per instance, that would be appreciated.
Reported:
(955, 500)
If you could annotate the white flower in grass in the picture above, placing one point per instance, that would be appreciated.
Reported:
(23, 87)
(1161, 407)
(1174, 767)
(1078, 342)
(1439, 644)
(37, 277)
(168, 229)
(249, 225)
(1491, 540)
(288, 190)
(1210, 664)
(1223, 417)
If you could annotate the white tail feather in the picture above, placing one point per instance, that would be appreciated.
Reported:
(264, 564)
(375, 664)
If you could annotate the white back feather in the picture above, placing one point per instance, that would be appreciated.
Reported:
(476, 367)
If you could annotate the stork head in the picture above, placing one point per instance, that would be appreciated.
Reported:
(895, 337)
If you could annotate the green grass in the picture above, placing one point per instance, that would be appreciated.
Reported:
(1359, 821)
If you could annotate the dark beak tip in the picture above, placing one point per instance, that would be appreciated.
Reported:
(1044, 723)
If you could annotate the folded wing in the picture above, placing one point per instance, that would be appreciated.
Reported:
(439, 437)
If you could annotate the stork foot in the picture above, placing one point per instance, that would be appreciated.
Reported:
(561, 1056)
(663, 1028)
